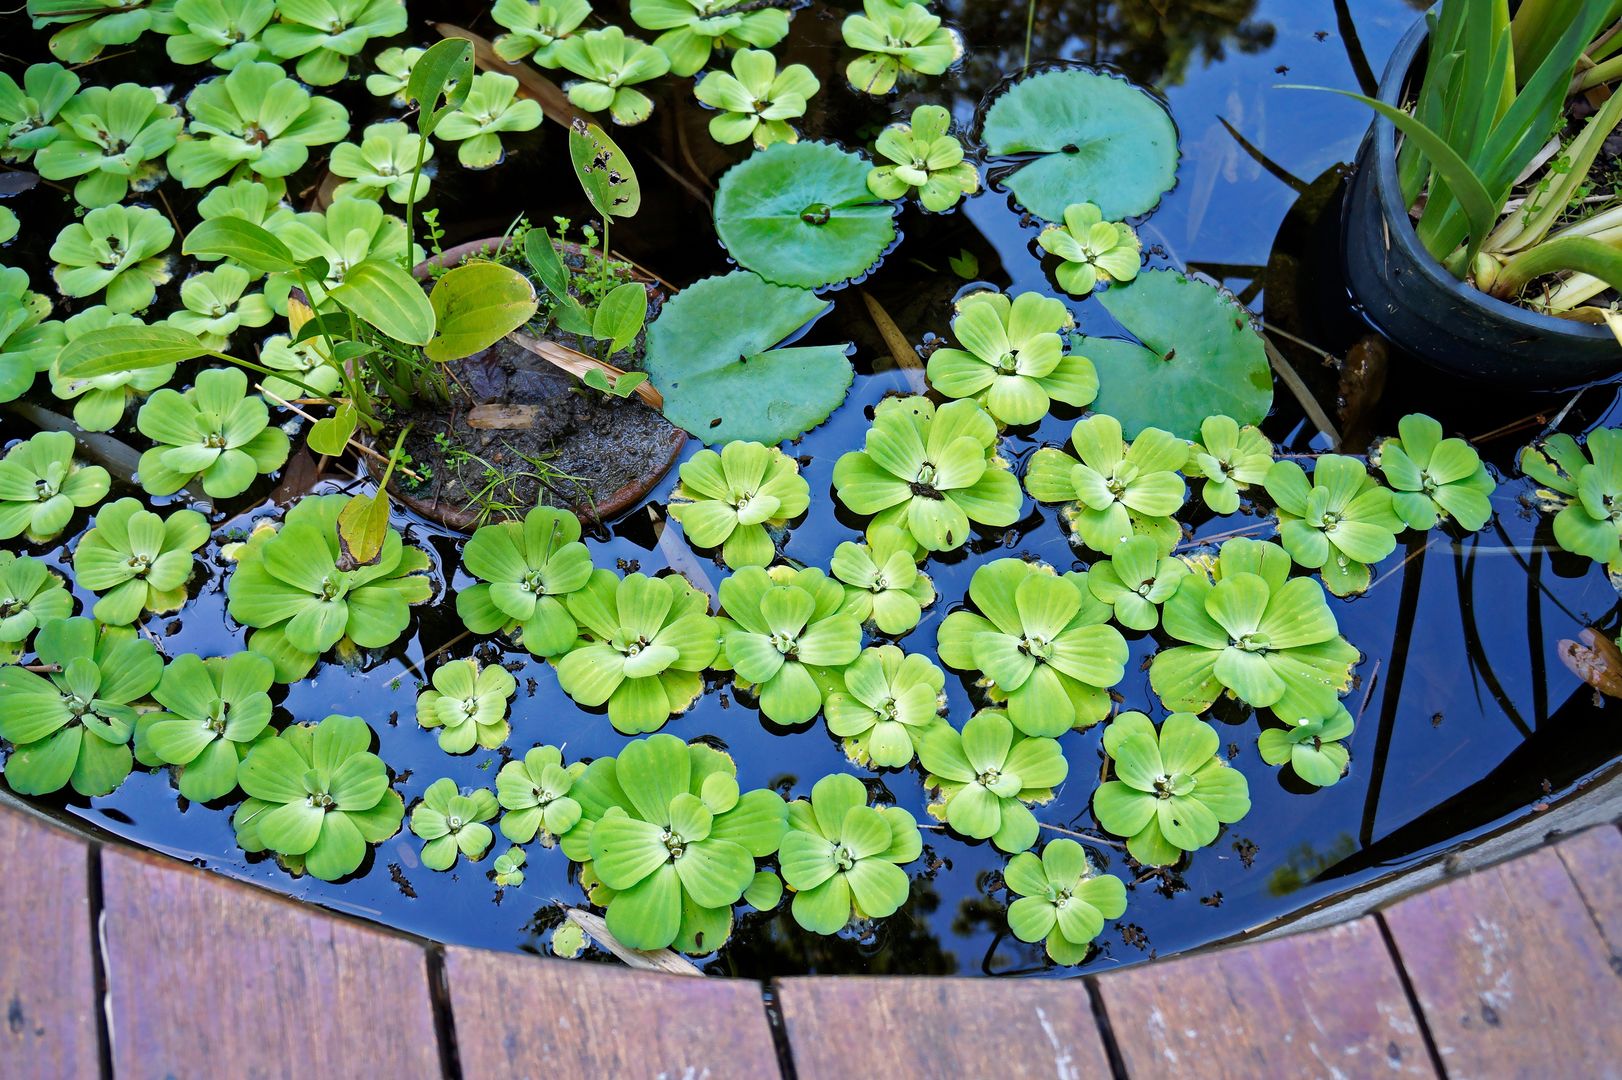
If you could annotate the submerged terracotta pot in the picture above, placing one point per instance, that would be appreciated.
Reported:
(661, 456)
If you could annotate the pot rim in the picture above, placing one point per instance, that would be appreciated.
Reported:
(1388, 190)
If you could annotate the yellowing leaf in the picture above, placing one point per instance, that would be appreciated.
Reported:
(475, 306)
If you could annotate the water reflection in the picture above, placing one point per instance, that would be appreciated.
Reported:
(1156, 41)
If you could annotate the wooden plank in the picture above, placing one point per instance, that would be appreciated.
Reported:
(840, 1027)
(207, 977)
(528, 1018)
(1593, 858)
(47, 958)
(1511, 973)
(1326, 1003)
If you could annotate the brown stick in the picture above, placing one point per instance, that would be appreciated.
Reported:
(1298, 387)
(578, 363)
(906, 358)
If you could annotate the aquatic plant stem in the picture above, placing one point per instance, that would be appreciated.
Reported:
(411, 201)
(1298, 387)
(358, 447)
(1030, 27)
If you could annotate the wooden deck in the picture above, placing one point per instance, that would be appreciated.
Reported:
(115, 962)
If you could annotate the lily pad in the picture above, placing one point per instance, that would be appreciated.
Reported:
(711, 354)
(801, 214)
(1196, 355)
(1089, 137)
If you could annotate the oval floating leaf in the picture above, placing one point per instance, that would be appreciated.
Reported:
(126, 348)
(388, 298)
(330, 435)
(476, 305)
(620, 316)
(363, 525)
(1087, 137)
(604, 171)
(720, 375)
(800, 214)
(244, 243)
(1198, 357)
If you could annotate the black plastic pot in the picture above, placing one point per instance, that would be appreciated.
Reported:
(1411, 299)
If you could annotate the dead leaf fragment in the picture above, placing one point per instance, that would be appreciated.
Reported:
(1596, 661)
(656, 960)
(502, 417)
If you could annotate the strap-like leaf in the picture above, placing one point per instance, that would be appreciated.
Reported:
(1480, 210)
(244, 243)
(126, 348)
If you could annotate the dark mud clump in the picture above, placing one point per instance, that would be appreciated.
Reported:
(560, 443)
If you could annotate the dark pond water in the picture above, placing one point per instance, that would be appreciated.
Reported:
(1467, 718)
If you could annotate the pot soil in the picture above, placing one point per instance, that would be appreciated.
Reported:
(1411, 299)
(556, 444)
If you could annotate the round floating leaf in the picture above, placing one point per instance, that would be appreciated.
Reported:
(1199, 357)
(800, 214)
(1090, 137)
(711, 354)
